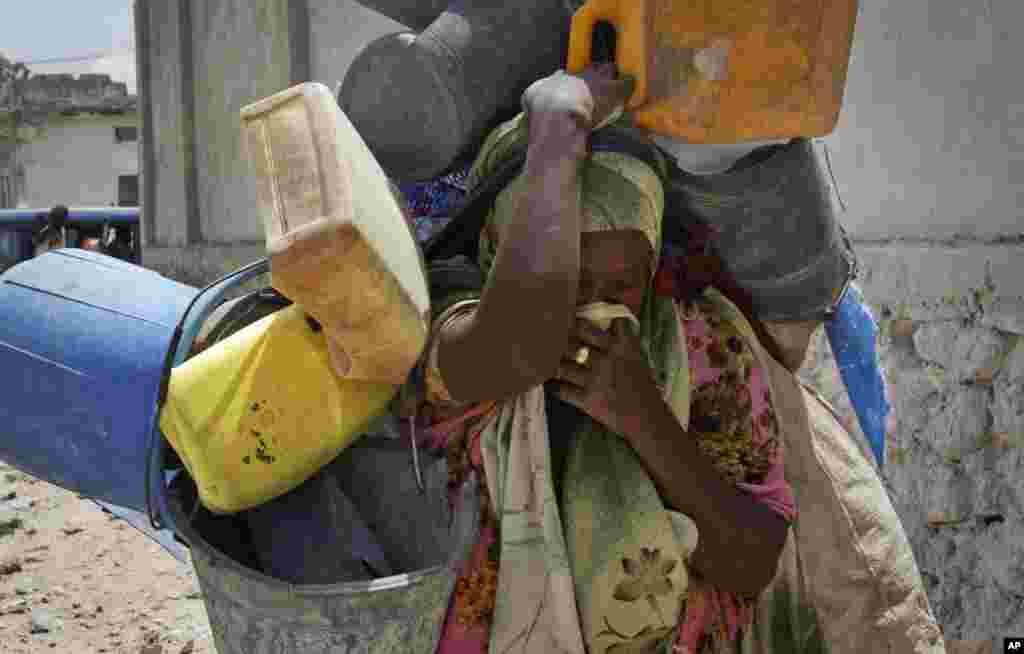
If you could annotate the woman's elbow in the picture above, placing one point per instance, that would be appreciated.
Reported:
(765, 555)
(743, 564)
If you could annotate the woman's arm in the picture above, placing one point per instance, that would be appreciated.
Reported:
(522, 324)
(740, 540)
(521, 328)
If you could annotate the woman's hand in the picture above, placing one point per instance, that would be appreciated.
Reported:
(591, 96)
(740, 539)
(613, 383)
(560, 105)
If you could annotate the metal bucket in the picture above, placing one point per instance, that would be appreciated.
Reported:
(73, 426)
(250, 612)
(776, 229)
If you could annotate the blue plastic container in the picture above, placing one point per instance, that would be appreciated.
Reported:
(83, 345)
(87, 342)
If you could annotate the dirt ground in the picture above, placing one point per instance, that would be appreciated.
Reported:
(75, 579)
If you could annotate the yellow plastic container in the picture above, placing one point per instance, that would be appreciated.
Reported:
(338, 240)
(727, 71)
(260, 412)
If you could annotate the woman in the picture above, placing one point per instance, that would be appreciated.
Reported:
(673, 454)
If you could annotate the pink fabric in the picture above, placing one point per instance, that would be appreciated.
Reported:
(775, 492)
(707, 606)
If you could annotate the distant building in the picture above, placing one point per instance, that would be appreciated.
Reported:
(67, 140)
(64, 90)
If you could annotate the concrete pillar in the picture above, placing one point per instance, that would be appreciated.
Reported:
(164, 55)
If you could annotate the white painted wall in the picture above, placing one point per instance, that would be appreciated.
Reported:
(77, 162)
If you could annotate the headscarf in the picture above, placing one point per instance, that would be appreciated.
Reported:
(618, 192)
(559, 566)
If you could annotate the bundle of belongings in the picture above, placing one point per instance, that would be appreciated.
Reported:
(312, 418)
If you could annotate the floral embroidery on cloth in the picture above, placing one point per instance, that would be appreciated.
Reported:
(730, 410)
(738, 431)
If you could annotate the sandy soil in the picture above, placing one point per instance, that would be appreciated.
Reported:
(75, 579)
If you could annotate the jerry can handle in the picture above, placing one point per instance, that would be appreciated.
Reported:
(629, 22)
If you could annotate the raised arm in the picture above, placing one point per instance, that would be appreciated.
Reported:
(517, 335)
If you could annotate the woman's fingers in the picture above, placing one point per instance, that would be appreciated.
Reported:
(592, 336)
(620, 328)
(573, 373)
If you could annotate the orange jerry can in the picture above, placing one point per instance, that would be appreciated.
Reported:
(727, 71)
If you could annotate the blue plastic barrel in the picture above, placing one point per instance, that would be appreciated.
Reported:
(84, 346)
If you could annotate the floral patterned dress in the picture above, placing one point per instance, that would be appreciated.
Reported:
(732, 419)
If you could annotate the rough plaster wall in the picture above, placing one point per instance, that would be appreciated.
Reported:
(78, 163)
(929, 162)
(952, 344)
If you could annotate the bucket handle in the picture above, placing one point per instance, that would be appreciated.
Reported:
(198, 310)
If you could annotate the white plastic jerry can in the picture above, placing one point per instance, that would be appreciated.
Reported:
(337, 237)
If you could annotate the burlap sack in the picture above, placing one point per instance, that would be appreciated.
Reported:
(847, 581)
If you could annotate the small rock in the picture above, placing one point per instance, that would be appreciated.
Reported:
(188, 648)
(968, 647)
(25, 587)
(71, 530)
(9, 567)
(14, 607)
(42, 622)
(151, 643)
(20, 504)
(943, 518)
(903, 328)
(9, 525)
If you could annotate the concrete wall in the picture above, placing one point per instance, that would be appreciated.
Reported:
(199, 63)
(75, 161)
(929, 163)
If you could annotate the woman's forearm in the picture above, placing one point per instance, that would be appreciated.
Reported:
(526, 312)
(740, 540)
